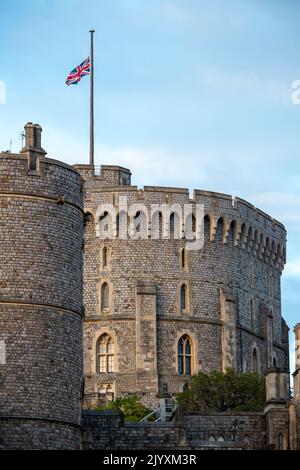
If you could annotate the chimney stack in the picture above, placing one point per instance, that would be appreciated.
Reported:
(33, 146)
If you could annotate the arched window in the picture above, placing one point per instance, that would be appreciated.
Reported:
(193, 223)
(206, 229)
(251, 274)
(106, 394)
(220, 231)
(172, 225)
(190, 226)
(118, 224)
(110, 393)
(105, 354)
(157, 225)
(251, 314)
(140, 224)
(255, 240)
(183, 259)
(105, 225)
(246, 441)
(184, 356)
(175, 225)
(221, 438)
(243, 235)
(278, 253)
(280, 441)
(160, 225)
(249, 238)
(104, 257)
(232, 233)
(211, 438)
(104, 296)
(183, 298)
(137, 222)
(255, 367)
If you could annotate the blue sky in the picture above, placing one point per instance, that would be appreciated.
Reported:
(188, 93)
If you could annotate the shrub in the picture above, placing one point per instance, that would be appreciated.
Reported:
(131, 407)
(219, 391)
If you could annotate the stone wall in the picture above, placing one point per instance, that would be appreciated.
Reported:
(229, 430)
(41, 237)
(241, 263)
(107, 430)
(298, 425)
(27, 434)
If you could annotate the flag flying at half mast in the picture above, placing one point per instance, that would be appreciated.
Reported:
(86, 68)
(80, 71)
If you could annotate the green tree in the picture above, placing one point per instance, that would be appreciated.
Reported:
(219, 391)
(131, 407)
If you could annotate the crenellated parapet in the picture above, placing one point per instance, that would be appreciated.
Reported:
(220, 299)
(250, 228)
(238, 221)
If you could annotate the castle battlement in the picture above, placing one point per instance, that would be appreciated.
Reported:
(154, 312)
(252, 229)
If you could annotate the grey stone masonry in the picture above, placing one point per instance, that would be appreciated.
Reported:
(41, 309)
(206, 430)
(232, 315)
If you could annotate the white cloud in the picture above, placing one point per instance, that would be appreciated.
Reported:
(292, 268)
(285, 207)
(152, 165)
(172, 11)
(149, 165)
(246, 81)
(279, 198)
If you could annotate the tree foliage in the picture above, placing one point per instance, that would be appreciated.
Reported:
(131, 407)
(228, 391)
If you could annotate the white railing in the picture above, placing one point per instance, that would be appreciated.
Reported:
(163, 413)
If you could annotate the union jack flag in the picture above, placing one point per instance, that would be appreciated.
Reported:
(80, 71)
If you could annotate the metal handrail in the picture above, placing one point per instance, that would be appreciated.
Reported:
(145, 418)
(163, 411)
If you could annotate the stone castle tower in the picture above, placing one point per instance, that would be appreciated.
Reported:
(156, 312)
(41, 219)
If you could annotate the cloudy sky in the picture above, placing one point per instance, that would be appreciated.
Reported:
(192, 93)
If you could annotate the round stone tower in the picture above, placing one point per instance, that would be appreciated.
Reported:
(159, 308)
(41, 237)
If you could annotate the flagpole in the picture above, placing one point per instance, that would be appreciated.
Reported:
(92, 99)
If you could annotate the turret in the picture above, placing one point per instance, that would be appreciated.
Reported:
(41, 237)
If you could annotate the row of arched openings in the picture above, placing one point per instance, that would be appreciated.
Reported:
(140, 224)
(105, 352)
(105, 297)
(249, 237)
(105, 256)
